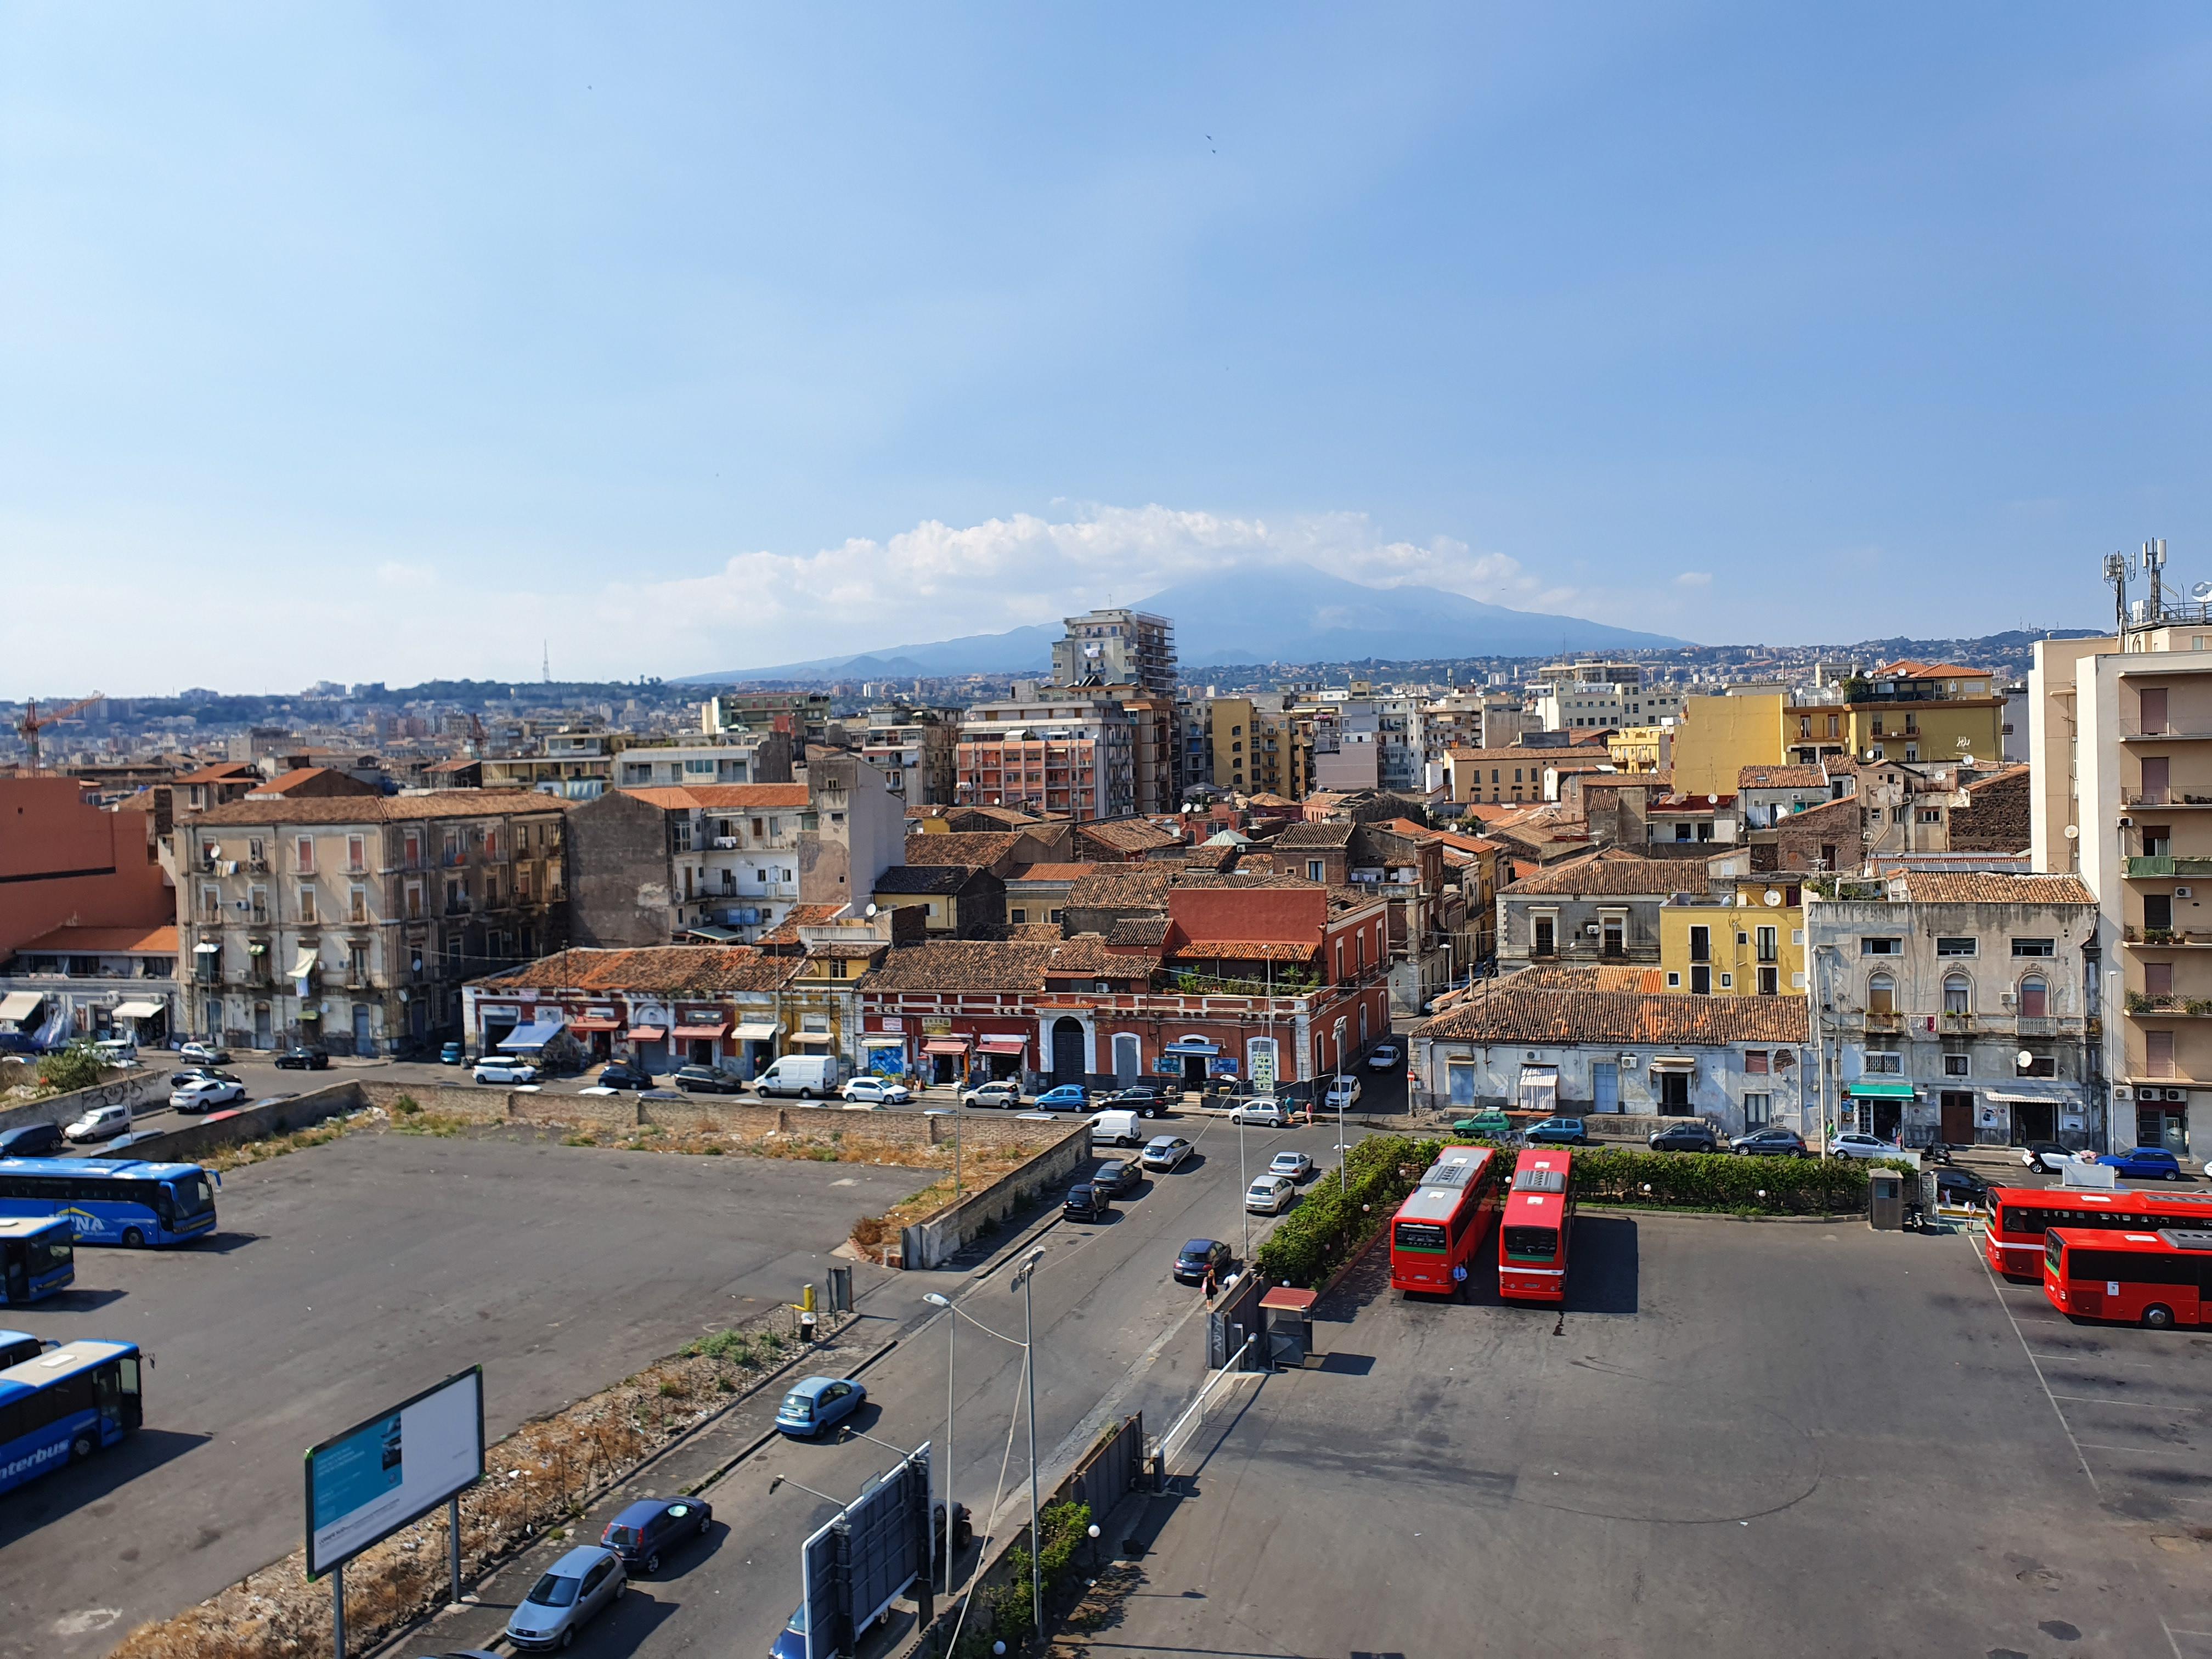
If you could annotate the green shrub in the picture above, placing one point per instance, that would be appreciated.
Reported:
(406, 1106)
(1720, 1180)
(76, 1066)
(734, 1346)
(1333, 1221)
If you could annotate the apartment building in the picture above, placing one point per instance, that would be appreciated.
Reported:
(1597, 696)
(1068, 752)
(1904, 711)
(916, 750)
(1961, 1006)
(1117, 647)
(1603, 907)
(747, 758)
(1259, 746)
(804, 716)
(353, 922)
(1742, 936)
(573, 763)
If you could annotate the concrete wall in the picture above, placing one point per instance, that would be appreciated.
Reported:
(122, 1088)
(620, 881)
(933, 1240)
(195, 1141)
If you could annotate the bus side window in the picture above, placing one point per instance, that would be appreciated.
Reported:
(129, 1372)
(14, 1421)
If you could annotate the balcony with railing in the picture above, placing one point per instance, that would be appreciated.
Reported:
(2162, 865)
(2137, 730)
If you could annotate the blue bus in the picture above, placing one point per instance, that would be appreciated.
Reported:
(109, 1202)
(38, 1256)
(16, 1346)
(64, 1406)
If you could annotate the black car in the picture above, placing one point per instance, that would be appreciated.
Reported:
(1087, 1201)
(32, 1141)
(1774, 1143)
(1962, 1187)
(647, 1529)
(303, 1060)
(706, 1080)
(1694, 1137)
(621, 1074)
(1119, 1177)
(1193, 1260)
(1145, 1099)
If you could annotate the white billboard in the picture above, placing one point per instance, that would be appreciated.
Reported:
(366, 1483)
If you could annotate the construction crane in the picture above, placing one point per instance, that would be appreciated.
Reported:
(32, 722)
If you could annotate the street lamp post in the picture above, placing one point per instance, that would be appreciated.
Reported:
(1023, 1274)
(951, 1327)
(1244, 1178)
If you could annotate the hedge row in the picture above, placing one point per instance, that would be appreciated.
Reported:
(1333, 1221)
(1719, 1180)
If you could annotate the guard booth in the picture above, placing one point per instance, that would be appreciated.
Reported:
(1289, 1317)
(1886, 1200)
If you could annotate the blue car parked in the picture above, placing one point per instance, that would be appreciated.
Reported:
(652, 1525)
(1068, 1098)
(2144, 1164)
(819, 1403)
(792, 1645)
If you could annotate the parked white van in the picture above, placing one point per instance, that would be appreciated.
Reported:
(1117, 1129)
(810, 1077)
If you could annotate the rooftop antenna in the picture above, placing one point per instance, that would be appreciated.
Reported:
(2116, 572)
(2154, 562)
(546, 667)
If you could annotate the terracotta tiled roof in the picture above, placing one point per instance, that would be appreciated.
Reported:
(105, 941)
(1148, 930)
(1124, 886)
(1608, 874)
(1086, 956)
(1126, 835)
(379, 809)
(1053, 872)
(1032, 933)
(1906, 669)
(1504, 1014)
(1247, 950)
(221, 772)
(1317, 836)
(1781, 777)
(1594, 976)
(318, 778)
(978, 848)
(657, 970)
(962, 965)
(1990, 887)
(1212, 856)
(925, 877)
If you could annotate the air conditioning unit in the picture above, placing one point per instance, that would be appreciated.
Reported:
(2121, 1091)
(2007, 998)
(2177, 1096)
(2182, 892)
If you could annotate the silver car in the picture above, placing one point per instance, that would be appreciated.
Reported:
(1164, 1151)
(1270, 1195)
(573, 1589)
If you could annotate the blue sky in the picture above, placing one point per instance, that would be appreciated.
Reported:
(382, 343)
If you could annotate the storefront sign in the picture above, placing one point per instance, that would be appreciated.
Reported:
(937, 1026)
(894, 1023)
(1222, 1066)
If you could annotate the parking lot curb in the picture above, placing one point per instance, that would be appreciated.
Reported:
(1718, 1215)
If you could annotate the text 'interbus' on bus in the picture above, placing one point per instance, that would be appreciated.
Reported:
(1441, 1226)
(1533, 1234)
(64, 1406)
(38, 1256)
(2155, 1279)
(2020, 1216)
(112, 1203)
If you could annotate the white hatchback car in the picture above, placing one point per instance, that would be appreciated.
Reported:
(204, 1093)
(1856, 1144)
(1270, 1195)
(102, 1124)
(497, 1069)
(876, 1092)
(1342, 1091)
(1164, 1151)
(1382, 1057)
(1263, 1109)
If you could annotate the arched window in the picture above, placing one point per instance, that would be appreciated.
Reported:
(1958, 994)
(1881, 994)
(2034, 998)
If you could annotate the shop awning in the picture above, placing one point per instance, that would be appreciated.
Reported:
(812, 1040)
(1673, 1062)
(595, 1025)
(206, 948)
(1192, 1046)
(306, 963)
(1882, 1090)
(536, 1035)
(646, 1033)
(760, 1031)
(21, 1005)
(882, 1040)
(712, 1033)
(136, 1009)
(1538, 1089)
(2023, 1096)
(1005, 1045)
(946, 1046)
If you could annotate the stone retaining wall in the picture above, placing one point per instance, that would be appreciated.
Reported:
(120, 1087)
(936, 1238)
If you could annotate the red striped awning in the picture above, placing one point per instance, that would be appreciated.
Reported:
(595, 1025)
(946, 1046)
(708, 1033)
(1005, 1045)
(645, 1033)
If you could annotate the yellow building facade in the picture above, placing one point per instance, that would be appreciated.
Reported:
(1750, 943)
(1718, 736)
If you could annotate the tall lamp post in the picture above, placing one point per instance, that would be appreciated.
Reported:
(1244, 1179)
(1023, 1274)
(945, 1485)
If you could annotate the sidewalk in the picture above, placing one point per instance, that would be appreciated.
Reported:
(684, 1466)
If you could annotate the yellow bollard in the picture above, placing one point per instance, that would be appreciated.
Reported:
(806, 1300)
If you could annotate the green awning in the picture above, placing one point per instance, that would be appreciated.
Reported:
(1883, 1090)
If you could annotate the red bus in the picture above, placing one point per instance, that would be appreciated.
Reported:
(1532, 1239)
(2155, 1279)
(1444, 1220)
(2020, 1216)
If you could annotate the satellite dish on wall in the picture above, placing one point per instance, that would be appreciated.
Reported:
(2025, 1058)
(871, 909)
(2073, 832)
(2201, 591)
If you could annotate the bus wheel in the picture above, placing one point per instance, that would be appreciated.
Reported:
(133, 1239)
(2158, 1316)
(81, 1448)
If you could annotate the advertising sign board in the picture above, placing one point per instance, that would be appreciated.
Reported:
(367, 1483)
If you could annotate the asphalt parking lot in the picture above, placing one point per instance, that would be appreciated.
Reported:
(1734, 1440)
(352, 1275)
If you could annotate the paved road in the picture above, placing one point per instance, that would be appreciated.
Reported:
(352, 1275)
(1112, 1329)
(1736, 1441)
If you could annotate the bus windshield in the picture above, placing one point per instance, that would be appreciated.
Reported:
(1532, 1243)
(2053, 1250)
(1419, 1236)
(193, 1194)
